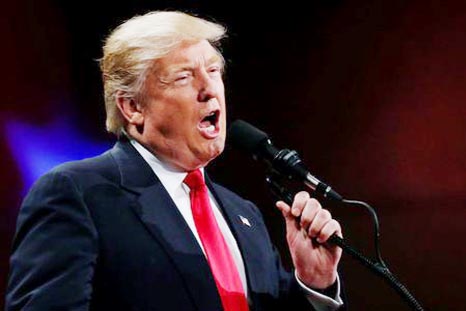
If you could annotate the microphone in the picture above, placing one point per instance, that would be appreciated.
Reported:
(246, 137)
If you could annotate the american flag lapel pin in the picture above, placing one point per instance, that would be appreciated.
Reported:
(244, 220)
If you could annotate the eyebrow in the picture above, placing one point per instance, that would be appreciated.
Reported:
(189, 66)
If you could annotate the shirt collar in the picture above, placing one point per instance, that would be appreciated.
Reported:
(170, 178)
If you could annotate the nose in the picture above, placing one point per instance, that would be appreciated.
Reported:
(207, 88)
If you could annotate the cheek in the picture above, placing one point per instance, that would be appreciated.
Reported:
(175, 119)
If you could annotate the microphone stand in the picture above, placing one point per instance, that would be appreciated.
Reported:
(378, 267)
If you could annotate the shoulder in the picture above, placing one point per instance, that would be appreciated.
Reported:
(100, 164)
(79, 174)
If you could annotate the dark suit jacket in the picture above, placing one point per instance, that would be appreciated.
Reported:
(103, 234)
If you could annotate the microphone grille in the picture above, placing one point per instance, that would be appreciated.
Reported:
(243, 135)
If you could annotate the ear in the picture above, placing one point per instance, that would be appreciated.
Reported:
(130, 110)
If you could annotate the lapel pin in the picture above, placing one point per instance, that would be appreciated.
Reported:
(245, 221)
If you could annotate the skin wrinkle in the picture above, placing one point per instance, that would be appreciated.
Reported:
(186, 87)
(176, 105)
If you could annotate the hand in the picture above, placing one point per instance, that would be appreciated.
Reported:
(308, 227)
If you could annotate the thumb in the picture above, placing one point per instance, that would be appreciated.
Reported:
(290, 220)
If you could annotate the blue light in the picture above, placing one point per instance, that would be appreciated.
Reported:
(38, 148)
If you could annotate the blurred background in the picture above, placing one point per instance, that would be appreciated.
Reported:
(371, 93)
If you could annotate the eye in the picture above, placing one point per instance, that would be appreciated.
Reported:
(215, 70)
(182, 78)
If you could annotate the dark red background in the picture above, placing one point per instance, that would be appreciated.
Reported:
(371, 93)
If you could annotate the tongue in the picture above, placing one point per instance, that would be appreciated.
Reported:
(208, 131)
(205, 123)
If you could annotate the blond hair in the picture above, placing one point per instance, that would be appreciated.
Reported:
(132, 48)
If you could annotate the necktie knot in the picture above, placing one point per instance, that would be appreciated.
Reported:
(194, 180)
(218, 254)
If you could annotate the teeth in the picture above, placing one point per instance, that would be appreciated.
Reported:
(211, 128)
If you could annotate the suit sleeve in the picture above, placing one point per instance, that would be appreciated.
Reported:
(54, 249)
(291, 295)
(286, 294)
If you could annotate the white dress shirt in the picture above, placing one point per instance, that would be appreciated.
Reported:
(172, 180)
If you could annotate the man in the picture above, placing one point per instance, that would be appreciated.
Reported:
(136, 228)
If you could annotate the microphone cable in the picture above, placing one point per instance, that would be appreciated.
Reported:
(378, 266)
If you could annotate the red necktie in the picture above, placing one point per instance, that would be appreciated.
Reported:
(218, 254)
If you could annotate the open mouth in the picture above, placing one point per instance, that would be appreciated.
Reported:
(209, 124)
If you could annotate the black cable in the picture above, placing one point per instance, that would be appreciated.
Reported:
(376, 228)
(378, 266)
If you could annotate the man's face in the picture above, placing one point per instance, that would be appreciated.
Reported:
(184, 111)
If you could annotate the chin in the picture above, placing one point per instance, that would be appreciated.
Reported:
(214, 151)
(219, 146)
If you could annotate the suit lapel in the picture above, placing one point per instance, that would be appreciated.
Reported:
(160, 216)
(245, 235)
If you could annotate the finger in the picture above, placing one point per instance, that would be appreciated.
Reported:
(299, 202)
(284, 208)
(330, 228)
(290, 220)
(310, 210)
(322, 217)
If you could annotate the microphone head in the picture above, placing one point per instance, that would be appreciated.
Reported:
(246, 137)
(250, 139)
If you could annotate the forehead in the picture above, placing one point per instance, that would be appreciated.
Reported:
(189, 55)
